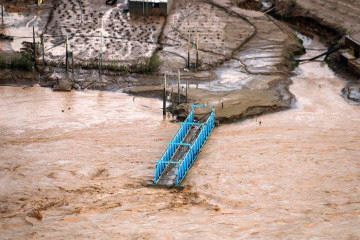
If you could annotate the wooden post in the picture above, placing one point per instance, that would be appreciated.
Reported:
(34, 46)
(43, 49)
(187, 86)
(66, 55)
(164, 97)
(100, 63)
(101, 47)
(172, 95)
(2, 13)
(72, 62)
(189, 46)
(197, 50)
(179, 98)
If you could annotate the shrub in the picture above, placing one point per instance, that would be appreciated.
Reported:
(19, 61)
(2, 62)
(154, 63)
(151, 65)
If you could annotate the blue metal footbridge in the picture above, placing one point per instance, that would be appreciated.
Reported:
(184, 148)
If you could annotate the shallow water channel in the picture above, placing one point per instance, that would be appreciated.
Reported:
(81, 160)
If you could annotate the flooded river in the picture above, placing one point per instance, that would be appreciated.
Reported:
(74, 166)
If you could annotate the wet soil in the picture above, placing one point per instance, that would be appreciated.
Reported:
(18, 6)
(341, 16)
(331, 20)
(254, 79)
(256, 51)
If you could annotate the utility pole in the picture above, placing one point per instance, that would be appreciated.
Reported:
(164, 96)
(179, 96)
(34, 46)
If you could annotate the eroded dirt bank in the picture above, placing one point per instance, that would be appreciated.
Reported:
(254, 78)
(332, 21)
(74, 165)
(342, 16)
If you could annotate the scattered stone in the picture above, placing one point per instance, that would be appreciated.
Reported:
(64, 85)
(352, 92)
(77, 86)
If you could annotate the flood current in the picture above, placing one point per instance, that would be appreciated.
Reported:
(75, 165)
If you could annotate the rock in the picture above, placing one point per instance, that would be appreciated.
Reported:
(352, 92)
(77, 86)
(64, 84)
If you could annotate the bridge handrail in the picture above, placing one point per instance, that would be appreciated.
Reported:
(172, 147)
(190, 157)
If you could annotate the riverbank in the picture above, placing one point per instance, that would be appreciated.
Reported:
(332, 21)
(245, 56)
(248, 78)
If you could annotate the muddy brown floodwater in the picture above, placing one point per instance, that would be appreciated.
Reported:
(74, 166)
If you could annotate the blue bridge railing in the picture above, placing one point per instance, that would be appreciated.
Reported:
(173, 146)
(193, 148)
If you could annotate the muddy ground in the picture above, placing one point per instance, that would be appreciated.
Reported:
(342, 16)
(331, 20)
(254, 78)
(247, 56)
(249, 50)
(124, 39)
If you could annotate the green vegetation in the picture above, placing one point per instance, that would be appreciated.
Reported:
(18, 61)
(146, 66)
(150, 65)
